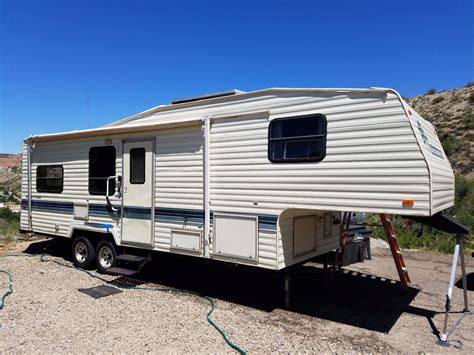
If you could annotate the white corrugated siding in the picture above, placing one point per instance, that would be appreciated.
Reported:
(73, 155)
(179, 178)
(373, 161)
(441, 172)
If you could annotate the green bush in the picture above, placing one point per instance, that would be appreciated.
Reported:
(451, 144)
(431, 92)
(9, 223)
(471, 98)
(437, 100)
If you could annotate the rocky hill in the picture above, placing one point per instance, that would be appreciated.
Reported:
(452, 114)
(10, 175)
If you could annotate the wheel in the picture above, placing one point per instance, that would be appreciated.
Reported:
(83, 253)
(106, 256)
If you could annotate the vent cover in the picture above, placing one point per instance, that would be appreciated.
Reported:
(207, 96)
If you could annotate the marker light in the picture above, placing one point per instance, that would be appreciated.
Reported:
(408, 203)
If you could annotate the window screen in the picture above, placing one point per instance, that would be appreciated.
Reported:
(297, 139)
(49, 178)
(101, 166)
(137, 166)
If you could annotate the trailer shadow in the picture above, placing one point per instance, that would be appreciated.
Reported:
(356, 299)
(360, 300)
(470, 282)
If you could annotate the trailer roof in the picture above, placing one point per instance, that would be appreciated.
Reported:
(240, 95)
(119, 127)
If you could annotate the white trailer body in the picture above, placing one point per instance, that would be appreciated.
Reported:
(211, 177)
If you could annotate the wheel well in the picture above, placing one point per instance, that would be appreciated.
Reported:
(94, 237)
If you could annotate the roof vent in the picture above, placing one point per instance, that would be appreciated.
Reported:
(207, 96)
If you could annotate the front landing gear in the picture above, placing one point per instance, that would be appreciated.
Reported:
(458, 254)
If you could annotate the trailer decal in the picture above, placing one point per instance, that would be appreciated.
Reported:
(166, 215)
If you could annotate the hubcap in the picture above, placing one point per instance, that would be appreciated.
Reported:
(106, 257)
(81, 252)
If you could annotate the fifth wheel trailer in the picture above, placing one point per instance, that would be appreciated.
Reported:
(257, 178)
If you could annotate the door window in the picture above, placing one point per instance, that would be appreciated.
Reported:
(137, 166)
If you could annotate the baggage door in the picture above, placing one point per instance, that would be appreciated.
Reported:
(138, 192)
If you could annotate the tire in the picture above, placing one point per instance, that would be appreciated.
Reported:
(83, 253)
(106, 256)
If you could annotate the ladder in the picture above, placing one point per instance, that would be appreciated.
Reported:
(395, 248)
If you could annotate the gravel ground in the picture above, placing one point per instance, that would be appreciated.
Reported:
(360, 310)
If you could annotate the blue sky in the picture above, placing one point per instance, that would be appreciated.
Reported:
(80, 64)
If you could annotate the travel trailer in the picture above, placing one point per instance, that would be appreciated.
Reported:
(258, 178)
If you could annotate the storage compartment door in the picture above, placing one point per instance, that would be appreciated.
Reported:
(304, 235)
(235, 236)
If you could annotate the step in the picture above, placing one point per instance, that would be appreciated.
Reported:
(131, 258)
(121, 271)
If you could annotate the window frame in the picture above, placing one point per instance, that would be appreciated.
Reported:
(112, 185)
(46, 178)
(322, 136)
(141, 182)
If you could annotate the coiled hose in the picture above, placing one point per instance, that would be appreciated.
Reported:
(9, 290)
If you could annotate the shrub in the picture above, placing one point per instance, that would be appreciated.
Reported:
(437, 100)
(468, 120)
(431, 92)
(469, 84)
(9, 223)
(451, 144)
(471, 98)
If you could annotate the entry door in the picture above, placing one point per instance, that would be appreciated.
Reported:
(137, 211)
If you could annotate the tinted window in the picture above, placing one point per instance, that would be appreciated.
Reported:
(101, 166)
(137, 165)
(49, 178)
(298, 139)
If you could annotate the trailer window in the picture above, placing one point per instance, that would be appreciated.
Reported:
(137, 166)
(297, 139)
(49, 178)
(101, 166)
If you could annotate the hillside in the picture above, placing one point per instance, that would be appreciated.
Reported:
(451, 112)
(10, 175)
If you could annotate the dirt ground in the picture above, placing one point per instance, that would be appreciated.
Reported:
(359, 310)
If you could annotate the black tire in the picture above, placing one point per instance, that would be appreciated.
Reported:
(83, 253)
(106, 256)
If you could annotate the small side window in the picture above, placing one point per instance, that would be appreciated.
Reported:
(297, 139)
(49, 178)
(137, 166)
(101, 166)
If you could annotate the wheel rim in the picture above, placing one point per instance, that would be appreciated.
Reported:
(106, 257)
(80, 251)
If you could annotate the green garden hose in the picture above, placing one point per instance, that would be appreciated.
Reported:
(9, 288)
(124, 286)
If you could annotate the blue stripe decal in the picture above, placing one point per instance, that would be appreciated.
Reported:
(137, 212)
(167, 215)
(99, 225)
(178, 215)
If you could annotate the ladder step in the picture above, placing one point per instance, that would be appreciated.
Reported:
(121, 271)
(131, 258)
